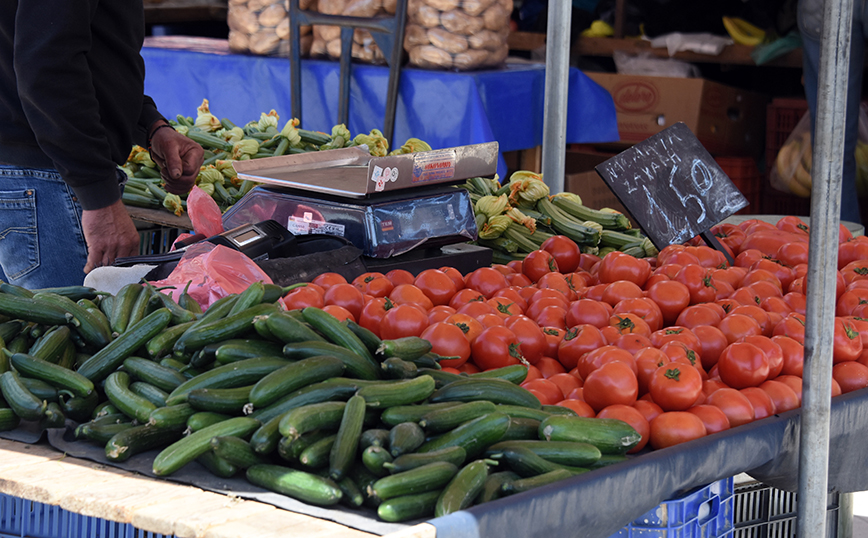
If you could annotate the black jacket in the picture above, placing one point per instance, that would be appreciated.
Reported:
(72, 90)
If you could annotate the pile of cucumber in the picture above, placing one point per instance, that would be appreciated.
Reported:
(297, 402)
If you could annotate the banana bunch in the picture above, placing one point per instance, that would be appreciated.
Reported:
(794, 164)
(743, 32)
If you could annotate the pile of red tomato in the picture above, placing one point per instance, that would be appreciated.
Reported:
(678, 346)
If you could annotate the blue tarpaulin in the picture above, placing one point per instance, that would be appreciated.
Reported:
(445, 109)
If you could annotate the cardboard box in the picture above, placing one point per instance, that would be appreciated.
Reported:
(726, 120)
(581, 178)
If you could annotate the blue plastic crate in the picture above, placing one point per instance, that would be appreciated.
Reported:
(21, 518)
(703, 513)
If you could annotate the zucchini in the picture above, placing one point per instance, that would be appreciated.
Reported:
(137, 439)
(229, 401)
(346, 444)
(235, 374)
(474, 436)
(460, 492)
(611, 436)
(53, 374)
(495, 390)
(185, 450)
(287, 329)
(335, 332)
(397, 392)
(236, 451)
(311, 417)
(609, 220)
(443, 420)
(316, 455)
(405, 438)
(453, 454)
(411, 413)
(294, 376)
(301, 485)
(109, 358)
(151, 372)
(356, 365)
(407, 507)
(117, 390)
(20, 399)
(429, 477)
(562, 452)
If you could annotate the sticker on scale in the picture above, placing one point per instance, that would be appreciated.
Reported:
(380, 176)
(435, 165)
(305, 226)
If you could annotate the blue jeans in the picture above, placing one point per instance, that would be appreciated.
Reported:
(41, 240)
(810, 27)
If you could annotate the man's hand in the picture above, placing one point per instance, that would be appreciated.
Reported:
(109, 233)
(179, 158)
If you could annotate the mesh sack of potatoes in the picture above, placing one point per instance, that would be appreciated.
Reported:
(261, 27)
(327, 39)
(458, 35)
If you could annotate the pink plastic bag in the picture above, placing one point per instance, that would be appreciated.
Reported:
(204, 213)
(213, 271)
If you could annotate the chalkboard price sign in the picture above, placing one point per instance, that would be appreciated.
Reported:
(672, 186)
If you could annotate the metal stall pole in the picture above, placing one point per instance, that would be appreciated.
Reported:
(822, 267)
(556, 93)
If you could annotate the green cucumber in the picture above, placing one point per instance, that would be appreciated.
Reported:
(8, 419)
(517, 411)
(155, 395)
(162, 343)
(229, 401)
(346, 444)
(374, 437)
(78, 409)
(51, 345)
(20, 399)
(101, 433)
(521, 429)
(90, 327)
(474, 436)
(559, 410)
(495, 390)
(334, 389)
(235, 374)
(291, 449)
(172, 415)
(316, 455)
(151, 372)
(405, 438)
(288, 329)
(441, 378)
(526, 484)
(408, 348)
(453, 454)
(514, 373)
(407, 507)
(238, 349)
(217, 465)
(367, 336)
(225, 328)
(293, 377)
(443, 420)
(202, 419)
(356, 365)
(311, 417)
(117, 390)
(304, 486)
(122, 308)
(109, 358)
(570, 453)
(611, 436)
(492, 489)
(138, 439)
(335, 332)
(460, 492)
(395, 368)
(31, 309)
(182, 452)
(429, 477)
(526, 462)
(397, 392)
(53, 417)
(375, 459)
(236, 451)
(252, 296)
(411, 413)
(41, 389)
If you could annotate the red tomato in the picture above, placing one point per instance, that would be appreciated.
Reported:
(410, 293)
(347, 296)
(376, 286)
(675, 333)
(630, 323)
(648, 360)
(303, 297)
(565, 251)
(632, 342)
(592, 360)
(556, 281)
(538, 263)
(714, 419)
(447, 340)
(793, 325)
(612, 383)
(486, 280)
(743, 365)
(794, 383)
(679, 352)
(648, 409)
(736, 326)
(400, 276)
(566, 382)
(735, 405)
(550, 392)
(850, 376)
(783, 273)
(646, 308)
(470, 326)
(784, 398)
(672, 297)
(436, 285)
(530, 337)
(505, 307)
(496, 347)
(619, 290)
(455, 275)
(851, 251)
(697, 279)
(326, 280)
(773, 352)
(675, 387)
(675, 427)
(491, 320)
(578, 341)
(633, 417)
(535, 306)
(847, 344)
(580, 407)
(762, 402)
(373, 312)
(712, 342)
(464, 296)
(468, 368)
(403, 320)
(440, 313)
(697, 315)
(729, 234)
(676, 254)
(757, 313)
(768, 242)
(552, 316)
(620, 266)
(532, 373)
(340, 313)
